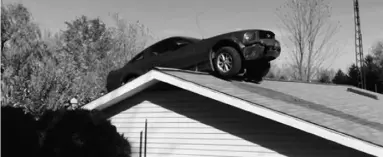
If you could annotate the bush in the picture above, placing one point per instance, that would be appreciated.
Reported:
(19, 137)
(80, 133)
(76, 133)
(324, 78)
(270, 75)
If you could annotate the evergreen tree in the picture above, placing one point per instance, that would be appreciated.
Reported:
(340, 78)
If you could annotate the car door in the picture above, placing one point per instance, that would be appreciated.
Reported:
(145, 60)
(177, 53)
(152, 56)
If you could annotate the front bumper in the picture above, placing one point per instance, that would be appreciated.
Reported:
(272, 53)
(261, 51)
(253, 52)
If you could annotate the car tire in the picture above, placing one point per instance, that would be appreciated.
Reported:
(127, 79)
(227, 62)
(257, 71)
(112, 82)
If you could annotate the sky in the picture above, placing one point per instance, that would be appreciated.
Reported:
(166, 18)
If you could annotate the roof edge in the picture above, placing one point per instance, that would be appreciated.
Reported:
(123, 92)
(154, 76)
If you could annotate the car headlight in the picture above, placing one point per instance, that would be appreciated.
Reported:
(248, 36)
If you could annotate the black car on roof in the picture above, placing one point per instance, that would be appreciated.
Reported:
(246, 52)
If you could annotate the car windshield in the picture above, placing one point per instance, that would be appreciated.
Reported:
(137, 57)
(191, 40)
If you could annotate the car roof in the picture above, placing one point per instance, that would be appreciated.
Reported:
(182, 37)
(250, 30)
(198, 39)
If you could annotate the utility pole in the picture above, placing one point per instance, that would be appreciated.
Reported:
(359, 47)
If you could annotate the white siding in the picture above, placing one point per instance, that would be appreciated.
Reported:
(183, 124)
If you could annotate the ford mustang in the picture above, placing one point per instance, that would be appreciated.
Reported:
(245, 54)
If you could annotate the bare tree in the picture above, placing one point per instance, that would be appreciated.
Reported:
(129, 39)
(310, 31)
(377, 53)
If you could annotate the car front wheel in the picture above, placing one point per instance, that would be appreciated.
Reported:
(227, 62)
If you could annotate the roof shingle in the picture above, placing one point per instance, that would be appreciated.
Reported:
(328, 106)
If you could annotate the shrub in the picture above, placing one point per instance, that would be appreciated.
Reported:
(75, 133)
(324, 78)
(80, 133)
(270, 75)
(19, 137)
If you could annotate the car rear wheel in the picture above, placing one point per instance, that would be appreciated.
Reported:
(227, 62)
(112, 80)
(128, 79)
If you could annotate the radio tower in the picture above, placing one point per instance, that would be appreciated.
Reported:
(359, 48)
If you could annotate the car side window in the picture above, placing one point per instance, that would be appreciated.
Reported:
(161, 48)
(168, 46)
(155, 53)
(138, 57)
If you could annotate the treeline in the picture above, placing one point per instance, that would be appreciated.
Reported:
(60, 133)
(42, 70)
(373, 67)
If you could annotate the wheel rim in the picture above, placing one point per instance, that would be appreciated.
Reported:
(224, 62)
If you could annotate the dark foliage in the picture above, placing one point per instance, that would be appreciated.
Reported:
(81, 133)
(61, 133)
(324, 78)
(340, 78)
(19, 137)
(373, 73)
(374, 80)
(353, 74)
(270, 75)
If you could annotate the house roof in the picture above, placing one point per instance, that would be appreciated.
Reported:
(328, 111)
